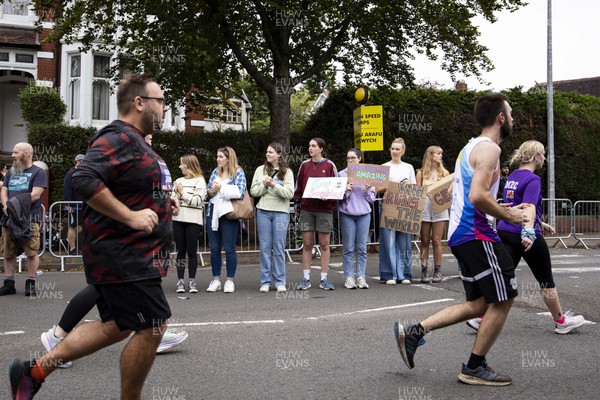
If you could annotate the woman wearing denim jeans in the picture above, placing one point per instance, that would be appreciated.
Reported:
(273, 182)
(227, 182)
(355, 217)
(395, 253)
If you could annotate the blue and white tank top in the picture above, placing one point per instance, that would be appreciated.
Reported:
(466, 222)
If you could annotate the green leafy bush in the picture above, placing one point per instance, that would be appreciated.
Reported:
(41, 105)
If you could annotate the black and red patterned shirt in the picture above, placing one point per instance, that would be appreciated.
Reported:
(119, 159)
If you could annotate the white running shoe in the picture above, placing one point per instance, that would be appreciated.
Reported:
(361, 283)
(281, 289)
(192, 286)
(571, 323)
(171, 338)
(474, 323)
(50, 341)
(405, 282)
(263, 289)
(229, 287)
(350, 283)
(180, 286)
(214, 286)
(390, 282)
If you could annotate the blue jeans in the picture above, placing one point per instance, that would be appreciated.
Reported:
(225, 237)
(355, 233)
(395, 255)
(272, 232)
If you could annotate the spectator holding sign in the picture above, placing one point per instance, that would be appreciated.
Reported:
(316, 214)
(355, 216)
(432, 224)
(395, 255)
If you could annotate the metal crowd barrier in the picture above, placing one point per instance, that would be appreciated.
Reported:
(586, 221)
(561, 220)
(61, 220)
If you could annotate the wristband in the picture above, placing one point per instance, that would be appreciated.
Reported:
(528, 233)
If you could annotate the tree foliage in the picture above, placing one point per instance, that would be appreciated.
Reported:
(280, 43)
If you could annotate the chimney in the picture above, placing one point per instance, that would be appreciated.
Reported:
(460, 86)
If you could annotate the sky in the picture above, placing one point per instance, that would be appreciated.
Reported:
(517, 46)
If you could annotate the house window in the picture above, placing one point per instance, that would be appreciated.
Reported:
(74, 85)
(24, 58)
(4, 56)
(15, 7)
(232, 115)
(100, 88)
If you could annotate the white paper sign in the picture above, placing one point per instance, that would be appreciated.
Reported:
(325, 188)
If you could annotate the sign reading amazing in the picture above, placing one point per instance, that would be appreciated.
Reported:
(369, 174)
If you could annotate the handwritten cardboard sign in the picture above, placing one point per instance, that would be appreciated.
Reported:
(369, 174)
(325, 188)
(438, 193)
(403, 208)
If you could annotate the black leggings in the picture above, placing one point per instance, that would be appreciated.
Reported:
(78, 307)
(537, 258)
(186, 240)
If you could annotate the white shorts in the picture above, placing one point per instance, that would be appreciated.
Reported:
(429, 214)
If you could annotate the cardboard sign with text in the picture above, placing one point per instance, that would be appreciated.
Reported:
(371, 174)
(403, 208)
(438, 193)
(325, 188)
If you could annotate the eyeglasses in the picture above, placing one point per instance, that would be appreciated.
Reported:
(351, 158)
(160, 100)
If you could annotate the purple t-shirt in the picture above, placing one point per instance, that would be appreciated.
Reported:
(523, 186)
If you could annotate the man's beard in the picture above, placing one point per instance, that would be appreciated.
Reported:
(505, 130)
(18, 167)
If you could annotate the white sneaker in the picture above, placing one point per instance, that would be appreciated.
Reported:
(474, 323)
(350, 283)
(171, 338)
(361, 283)
(50, 341)
(281, 289)
(192, 286)
(214, 286)
(571, 323)
(180, 286)
(229, 287)
(263, 288)
(390, 282)
(405, 281)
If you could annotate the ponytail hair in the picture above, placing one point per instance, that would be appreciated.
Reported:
(526, 152)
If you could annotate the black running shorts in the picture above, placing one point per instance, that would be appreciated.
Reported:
(134, 306)
(486, 270)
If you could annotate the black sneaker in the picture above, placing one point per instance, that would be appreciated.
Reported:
(407, 342)
(23, 386)
(8, 288)
(483, 375)
(30, 287)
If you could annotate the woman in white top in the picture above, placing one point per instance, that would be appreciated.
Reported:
(395, 253)
(190, 190)
(432, 224)
(273, 182)
(227, 182)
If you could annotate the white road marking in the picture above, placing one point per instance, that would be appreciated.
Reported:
(271, 321)
(369, 310)
(575, 270)
(12, 333)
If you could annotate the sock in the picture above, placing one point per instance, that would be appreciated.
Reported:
(323, 275)
(9, 278)
(561, 319)
(37, 372)
(437, 267)
(475, 361)
(306, 274)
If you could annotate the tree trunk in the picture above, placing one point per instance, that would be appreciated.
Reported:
(279, 108)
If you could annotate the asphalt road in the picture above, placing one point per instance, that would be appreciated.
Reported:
(326, 345)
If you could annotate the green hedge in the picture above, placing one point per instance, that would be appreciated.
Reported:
(425, 117)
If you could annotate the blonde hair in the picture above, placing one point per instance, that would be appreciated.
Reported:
(526, 152)
(400, 141)
(232, 165)
(192, 164)
(427, 161)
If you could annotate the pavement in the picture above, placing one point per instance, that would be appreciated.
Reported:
(320, 344)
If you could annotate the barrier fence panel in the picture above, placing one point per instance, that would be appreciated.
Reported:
(65, 227)
(586, 221)
(561, 221)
